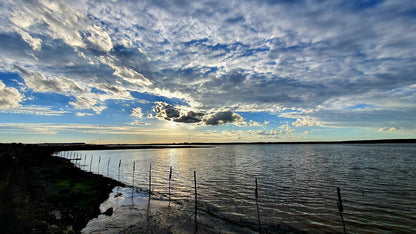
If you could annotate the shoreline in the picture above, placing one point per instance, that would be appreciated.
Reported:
(42, 193)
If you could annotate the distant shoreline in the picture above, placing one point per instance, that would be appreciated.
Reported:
(85, 146)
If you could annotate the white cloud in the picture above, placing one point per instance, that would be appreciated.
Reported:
(89, 102)
(137, 112)
(39, 83)
(306, 133)
(98, 38)
(127, 74)
(35, 43)
(284, 58)
(303, 122)
(257, 124)
(80, 114)
(282, 130)
(387, 129)
(35, 110)
(9, 97)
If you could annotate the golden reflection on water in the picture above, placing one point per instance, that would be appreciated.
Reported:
(297, 183)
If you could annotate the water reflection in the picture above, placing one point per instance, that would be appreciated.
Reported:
(297, 183)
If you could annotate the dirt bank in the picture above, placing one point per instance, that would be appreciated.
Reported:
(40, 193)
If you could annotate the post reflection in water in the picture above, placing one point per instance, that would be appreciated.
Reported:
(296, 183)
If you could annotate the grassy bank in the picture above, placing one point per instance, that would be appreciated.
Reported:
(40, 193)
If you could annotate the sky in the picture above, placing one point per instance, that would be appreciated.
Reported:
(177, 71)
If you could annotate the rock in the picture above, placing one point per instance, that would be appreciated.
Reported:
(53, 228)
(118, 195)
(69, 229)
(57, 214)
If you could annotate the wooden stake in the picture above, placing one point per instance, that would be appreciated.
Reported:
(257, 205)
(134, 168)
(196, 200)
(150, 181)
(170, 177)
(108, 165)
(341, 208)
(99, 161)
(91, 162)
(119, 164)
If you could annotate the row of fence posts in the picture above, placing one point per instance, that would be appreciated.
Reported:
(73, 156)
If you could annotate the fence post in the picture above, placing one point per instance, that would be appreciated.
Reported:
(196, 200)
(257, 205)
(119, 164)
(108, 165)
(91, 161)
(99, 161)
(134, 168)
(150, 181)
(170, 177)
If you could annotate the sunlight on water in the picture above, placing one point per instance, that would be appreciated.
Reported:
(297, 183)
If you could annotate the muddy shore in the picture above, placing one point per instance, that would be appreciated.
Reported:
(44, 194)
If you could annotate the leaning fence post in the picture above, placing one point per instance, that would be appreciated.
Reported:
(341, 208)
(170, 177)
(196, 200)
(257, 205)
(150, 180)
(134, 168)
(108, 165)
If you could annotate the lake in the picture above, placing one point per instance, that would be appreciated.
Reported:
(296, 183)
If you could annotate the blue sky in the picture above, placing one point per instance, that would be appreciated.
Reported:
(212, 71)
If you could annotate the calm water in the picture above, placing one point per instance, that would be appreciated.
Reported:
(297, 183)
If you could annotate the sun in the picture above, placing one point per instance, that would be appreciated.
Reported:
(173, 123)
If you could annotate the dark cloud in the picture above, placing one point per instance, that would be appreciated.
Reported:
(190, 117)
(223, 117)
(168, 112)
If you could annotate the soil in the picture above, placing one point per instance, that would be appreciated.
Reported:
(40, 193)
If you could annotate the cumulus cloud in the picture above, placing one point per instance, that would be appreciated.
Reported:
(245, 56)
(165, 111)
(169, 112)
(127, 74)
(257, 124)
(9, 97)
(80, 114)
(35, 43)
(306, 133)
(303, 122)
(282, 130)
(137, 112)
(223, 117)
(39, 83)
(98, 39)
